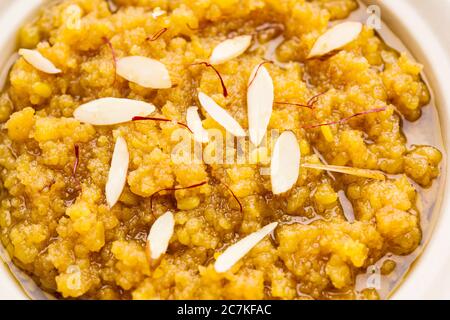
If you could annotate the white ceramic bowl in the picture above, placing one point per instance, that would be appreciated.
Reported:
(429, 277)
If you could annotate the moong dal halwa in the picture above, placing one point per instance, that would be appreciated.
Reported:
(94, 204)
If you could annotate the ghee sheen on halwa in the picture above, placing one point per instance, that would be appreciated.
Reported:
(300, 184)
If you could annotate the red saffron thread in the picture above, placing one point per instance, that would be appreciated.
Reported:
(310, 104)
(113, 53)
(175, 189)
(345, 119)
(76, 149)
(138, 118)
(313, 100)
(234, 196)
(208, 65)
(257, 70)
(156, 35)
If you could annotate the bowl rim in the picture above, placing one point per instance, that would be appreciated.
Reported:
(11, 19)
(426, 279)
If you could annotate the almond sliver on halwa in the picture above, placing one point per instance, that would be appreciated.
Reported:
(363, 173)
(109, 111)
(238, 250)
(260, 98)
(335, 38)
(285, 163)
(159, 235)
(37, 60)
(194, 123)
(4, 71)
(230, 49)
(220, 115)
(117, 175)
(146, 72)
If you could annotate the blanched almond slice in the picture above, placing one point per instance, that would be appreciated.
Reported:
(363, 173)
(259, 103)
(108, 111)
(238, 250)
(6, 68)
(146, 72)
(37, 60)
(285, 164)
(335, 38)
(230, 49)
(220, 115)
(117, 175)
(195, 124)
(159, 235)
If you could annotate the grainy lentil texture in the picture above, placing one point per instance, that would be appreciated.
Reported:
(58, 228)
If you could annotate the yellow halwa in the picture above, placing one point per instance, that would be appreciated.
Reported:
(58, 228)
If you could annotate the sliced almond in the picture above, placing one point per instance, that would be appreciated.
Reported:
(363, 173)
(159, 235)
(230, 49)
(146, 72)
(117, 175)
(194, 123)
(6, 68)
(285, 163)
(37, 60)
(336, 38)
(259, 103)
(238, 250)
(220, 115)
(109, 111)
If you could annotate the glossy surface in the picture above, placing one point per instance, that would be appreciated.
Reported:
(283, 97)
